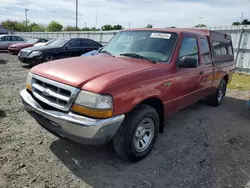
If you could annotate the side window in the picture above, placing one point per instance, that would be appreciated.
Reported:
(205, 51)
(216, 48)
(223, 48)
(6, 38)
(220, 48)
(189, 47)
(75, 44)
(230, 48)
(87, 43)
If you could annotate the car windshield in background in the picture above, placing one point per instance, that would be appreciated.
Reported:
(32, 41)
(58, 42)
(154, 45)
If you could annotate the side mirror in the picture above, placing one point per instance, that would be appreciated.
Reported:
(100, 49)
(66, 47)
(189, 62)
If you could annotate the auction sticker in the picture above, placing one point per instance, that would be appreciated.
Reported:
(160, 35)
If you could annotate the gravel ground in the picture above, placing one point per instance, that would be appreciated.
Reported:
(202, 146)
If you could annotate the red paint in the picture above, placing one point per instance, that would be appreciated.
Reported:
(131, 81)
(15, 48)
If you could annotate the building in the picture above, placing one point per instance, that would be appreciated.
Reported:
(4, 31)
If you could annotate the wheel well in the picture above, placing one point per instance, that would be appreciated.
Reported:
(226, 78)
(158, 106)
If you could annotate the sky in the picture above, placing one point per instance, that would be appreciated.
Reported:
(136, 13)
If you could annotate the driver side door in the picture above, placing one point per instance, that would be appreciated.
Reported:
(186, 87)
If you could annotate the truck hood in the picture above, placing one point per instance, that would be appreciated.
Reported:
(79, 71)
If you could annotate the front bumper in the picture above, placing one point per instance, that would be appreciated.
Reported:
(74, 127)
(13, 51)
(30, 61)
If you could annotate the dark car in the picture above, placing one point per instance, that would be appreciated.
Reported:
(58, 49)
(15, 48)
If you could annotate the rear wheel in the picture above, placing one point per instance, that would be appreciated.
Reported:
(217, 98)
(137, 134)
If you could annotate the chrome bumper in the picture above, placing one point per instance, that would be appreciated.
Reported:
(72, 126)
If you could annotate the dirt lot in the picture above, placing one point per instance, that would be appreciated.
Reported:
(202, 146)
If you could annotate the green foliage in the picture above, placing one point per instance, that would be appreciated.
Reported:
(34, 27)
(117, 27)
(107, 27)
(14, 25)
(236, 23)
(54, 26)
(149, 26)
(200, 25)
(244, 22)
(70, 28)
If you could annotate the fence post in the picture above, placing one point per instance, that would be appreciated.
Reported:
(238, 46)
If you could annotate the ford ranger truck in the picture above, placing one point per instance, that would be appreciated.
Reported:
(123, 94)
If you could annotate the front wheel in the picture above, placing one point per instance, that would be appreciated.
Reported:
(217, 98)
(137, 135)
(48, 58)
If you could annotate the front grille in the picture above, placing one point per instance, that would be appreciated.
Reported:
(53, 93)
(24, 53)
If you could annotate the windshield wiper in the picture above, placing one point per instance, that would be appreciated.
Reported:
(106, 52)
(134, 55)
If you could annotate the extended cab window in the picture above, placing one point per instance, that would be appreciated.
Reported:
(189, 47)
(220, 48)
(205, 51)
(230, 48)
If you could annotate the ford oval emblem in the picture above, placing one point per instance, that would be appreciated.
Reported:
(46, 92)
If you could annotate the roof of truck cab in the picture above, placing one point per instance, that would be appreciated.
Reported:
(176, 30)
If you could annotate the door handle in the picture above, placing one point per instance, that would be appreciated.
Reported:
(202, 72)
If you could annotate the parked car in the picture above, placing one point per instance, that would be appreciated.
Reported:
(44, 43)
(57, 49)
(124, 93)
(15, 48)
(7, 40)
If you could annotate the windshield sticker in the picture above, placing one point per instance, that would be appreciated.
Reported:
(160, 35)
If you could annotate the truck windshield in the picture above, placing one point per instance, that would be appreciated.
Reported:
(154, 45)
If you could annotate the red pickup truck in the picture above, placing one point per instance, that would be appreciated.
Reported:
(124, 93)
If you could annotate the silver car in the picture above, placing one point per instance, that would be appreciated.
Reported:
(7, 40)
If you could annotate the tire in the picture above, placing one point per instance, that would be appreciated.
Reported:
(48, 58)
(217, 98)
(128, 140)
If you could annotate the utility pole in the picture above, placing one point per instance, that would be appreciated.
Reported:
(26, 10)
(76, 13)
(97, 11)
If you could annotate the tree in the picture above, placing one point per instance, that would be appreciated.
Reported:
(107, 27)
(14, 25)
(200, 25)
(94, 29)
(236, 23)
(54, 26)
(71, 28)
(85, 29)
(245, 22)
(149, 26)
(36, 27)
(117, 27)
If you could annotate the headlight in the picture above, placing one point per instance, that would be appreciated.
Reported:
(94, 105)
(28, 81)
(35, 53)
